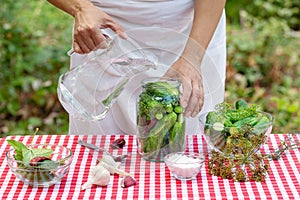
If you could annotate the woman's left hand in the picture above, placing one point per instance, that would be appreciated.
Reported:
(190, 77)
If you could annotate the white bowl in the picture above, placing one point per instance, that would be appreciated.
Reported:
(184, 165)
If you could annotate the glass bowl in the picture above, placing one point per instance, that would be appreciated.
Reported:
(184, 165)
(47, 175)
(244, 137)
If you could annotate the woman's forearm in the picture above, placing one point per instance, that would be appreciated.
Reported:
(71, 6)
(88, 22)
(206, 18)
(207, 14)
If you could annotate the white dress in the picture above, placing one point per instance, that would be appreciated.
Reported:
(175, 15)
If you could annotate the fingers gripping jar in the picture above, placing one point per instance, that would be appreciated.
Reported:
(160, 120)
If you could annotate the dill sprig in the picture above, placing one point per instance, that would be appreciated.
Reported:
(242, 167)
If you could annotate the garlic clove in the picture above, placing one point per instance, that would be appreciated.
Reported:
(128, 181)
(111, 165)
(104, 180)
(98, 176)
(113, 169)
(88, 183)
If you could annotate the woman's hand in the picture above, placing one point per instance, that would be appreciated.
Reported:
(89, 20)
(87, 29)
(190, 77)
(207, 14)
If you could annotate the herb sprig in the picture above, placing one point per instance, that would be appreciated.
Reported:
(248, 167)
(25, 154)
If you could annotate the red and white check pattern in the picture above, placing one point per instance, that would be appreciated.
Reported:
(153, 179)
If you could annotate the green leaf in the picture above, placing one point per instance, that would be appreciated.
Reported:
(42, 152)
(19, 147)
(27, 155)
(48, 165)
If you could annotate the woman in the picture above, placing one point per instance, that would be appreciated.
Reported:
(202, 20)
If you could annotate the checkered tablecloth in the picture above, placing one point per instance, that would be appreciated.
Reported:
(153, 179)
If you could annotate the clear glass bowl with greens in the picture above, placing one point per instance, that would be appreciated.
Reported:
(44, 173)
(237, 129)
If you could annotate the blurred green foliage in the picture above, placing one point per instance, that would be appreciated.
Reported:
(263, 62)
(287, 11)
(264, 58)
(32, 55)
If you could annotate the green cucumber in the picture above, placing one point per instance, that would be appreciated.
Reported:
(262, 125)
(210, 119)
(180, 118)
(263, 120)
(158, 116)
(241, 104)
(217, 135)
(156, 108)
(177, 137)
(218, 126)
(181, 137)
(168, 108)
(162, 89)
(236, 115)
(176, 128)
(228, 123)
(178, 109)
(156, 135)
(248, 120)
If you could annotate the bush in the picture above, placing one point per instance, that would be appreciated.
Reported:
(30, 64)
(287, 11)
(264, 60)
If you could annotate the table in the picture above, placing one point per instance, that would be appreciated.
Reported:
(153, 179)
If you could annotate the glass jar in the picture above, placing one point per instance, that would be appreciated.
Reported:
(160, 120)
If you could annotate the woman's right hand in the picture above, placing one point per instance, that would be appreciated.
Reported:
(87, 29)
